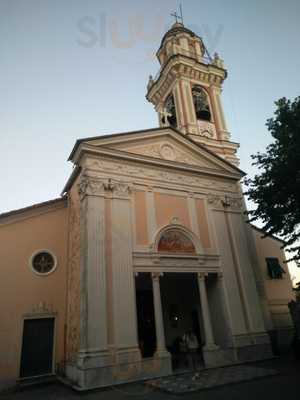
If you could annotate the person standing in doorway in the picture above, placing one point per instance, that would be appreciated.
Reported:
(191, 343)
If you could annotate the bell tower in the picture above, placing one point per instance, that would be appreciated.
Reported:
(186, 91)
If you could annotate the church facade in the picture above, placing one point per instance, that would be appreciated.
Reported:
(147, 242)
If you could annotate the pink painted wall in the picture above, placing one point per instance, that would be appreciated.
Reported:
(141, 218)
(21, 288)
(203, 223)
(168, 206)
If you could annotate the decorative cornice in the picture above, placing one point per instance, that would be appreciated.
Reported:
(41, 308)
(180, 65)
(105, 142)
(148, 261)
(165, 175)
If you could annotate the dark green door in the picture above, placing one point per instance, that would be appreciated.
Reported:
(37, 347)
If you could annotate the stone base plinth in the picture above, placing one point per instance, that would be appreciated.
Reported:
(253, 347)
(218, 357)
(248, 347)
(254, 352)
(82, 378)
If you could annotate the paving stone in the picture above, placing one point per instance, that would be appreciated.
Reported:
(189, 382)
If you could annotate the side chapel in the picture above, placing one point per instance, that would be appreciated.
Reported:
(148, 241)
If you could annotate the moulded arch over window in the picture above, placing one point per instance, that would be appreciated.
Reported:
(178, 240)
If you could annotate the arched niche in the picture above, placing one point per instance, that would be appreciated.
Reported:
(174, 240)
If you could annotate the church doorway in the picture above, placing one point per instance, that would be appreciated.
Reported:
(182, 315)
(37, 347)
(181, 312)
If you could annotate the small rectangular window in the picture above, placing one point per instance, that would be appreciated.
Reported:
(275, 270)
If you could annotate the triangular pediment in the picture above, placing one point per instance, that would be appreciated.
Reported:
(165, 144)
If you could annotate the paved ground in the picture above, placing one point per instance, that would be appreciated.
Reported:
(210, 378)
(285, 385)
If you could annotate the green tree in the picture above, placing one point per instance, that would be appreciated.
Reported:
(275, 189)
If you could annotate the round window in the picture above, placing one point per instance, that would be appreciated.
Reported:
(43, 262)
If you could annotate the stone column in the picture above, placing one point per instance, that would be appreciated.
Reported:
(159, 322)
(209, 336)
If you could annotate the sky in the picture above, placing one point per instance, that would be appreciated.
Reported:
(73, 69)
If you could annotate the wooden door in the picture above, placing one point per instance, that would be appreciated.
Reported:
(37, 347)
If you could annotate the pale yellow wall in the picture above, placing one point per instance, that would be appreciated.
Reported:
(278, 291)
(21, 288)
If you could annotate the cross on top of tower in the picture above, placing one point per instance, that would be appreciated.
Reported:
(178, 17)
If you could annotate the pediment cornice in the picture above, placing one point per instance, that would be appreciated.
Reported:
(85, 150)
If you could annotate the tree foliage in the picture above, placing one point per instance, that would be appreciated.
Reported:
(276, 187)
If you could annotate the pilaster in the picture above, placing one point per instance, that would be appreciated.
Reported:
(193, 214)
(124, 307)
(151, 216)
(93, 332)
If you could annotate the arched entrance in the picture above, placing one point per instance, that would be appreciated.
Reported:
(182, 316)
(164, 322)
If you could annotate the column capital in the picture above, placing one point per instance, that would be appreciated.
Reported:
(220, 275)
(156, 275)
(90, 186)
(120, 189)
(93, 186)
(202, 275)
